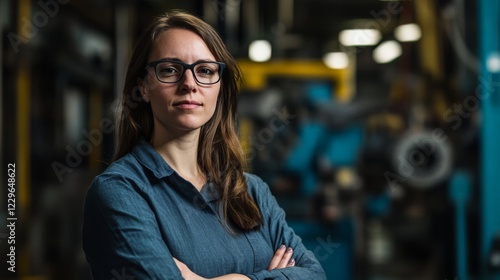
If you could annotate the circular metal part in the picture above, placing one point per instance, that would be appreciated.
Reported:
(423, 159)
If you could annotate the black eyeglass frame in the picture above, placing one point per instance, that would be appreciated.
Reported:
(185, 67)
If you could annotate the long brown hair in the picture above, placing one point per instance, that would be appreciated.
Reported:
(220, 154)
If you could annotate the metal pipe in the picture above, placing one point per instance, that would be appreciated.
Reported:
(488, 92)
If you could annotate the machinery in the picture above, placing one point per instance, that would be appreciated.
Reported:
(308, 161)
(387, 189)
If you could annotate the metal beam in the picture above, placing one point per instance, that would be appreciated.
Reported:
(23, 120)
(23, 108)
(4, 17)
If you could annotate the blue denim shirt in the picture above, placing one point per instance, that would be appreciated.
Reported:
(139, 213)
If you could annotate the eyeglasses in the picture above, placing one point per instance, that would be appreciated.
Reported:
(171, 71)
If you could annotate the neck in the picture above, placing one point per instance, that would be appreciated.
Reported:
(181, 153)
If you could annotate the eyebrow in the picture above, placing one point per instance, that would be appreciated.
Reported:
(199, 60)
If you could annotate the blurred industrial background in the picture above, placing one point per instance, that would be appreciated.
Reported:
(375, 123)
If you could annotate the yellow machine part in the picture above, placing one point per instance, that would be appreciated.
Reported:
(256, 74)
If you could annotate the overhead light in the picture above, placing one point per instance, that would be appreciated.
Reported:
(493, 63)
(408, 32)
(387, 52)
(259, 50)
(359, 37)
(336, 60)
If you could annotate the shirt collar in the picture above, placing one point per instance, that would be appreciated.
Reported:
(209, 192)
(151, 159)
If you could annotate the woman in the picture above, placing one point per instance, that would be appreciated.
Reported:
(176, 203)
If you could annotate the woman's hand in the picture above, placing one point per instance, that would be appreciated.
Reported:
(282, 258)
(187, 274)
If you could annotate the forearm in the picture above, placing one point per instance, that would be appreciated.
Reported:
(282, 259)
(231, 277)
(306, 267)
(296, 273)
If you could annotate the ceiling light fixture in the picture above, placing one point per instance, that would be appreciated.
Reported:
(336, 60)
(493, 63)
(387, 52)
(259, 50)
(408, 32)
(359, 37)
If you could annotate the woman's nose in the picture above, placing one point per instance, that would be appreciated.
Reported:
(188, 80)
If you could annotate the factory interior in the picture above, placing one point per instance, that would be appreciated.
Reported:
(372, 121)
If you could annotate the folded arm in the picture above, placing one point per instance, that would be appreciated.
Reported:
(306, 265)
(282, 258)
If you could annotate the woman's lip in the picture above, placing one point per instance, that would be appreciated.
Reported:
(187, 102)
(187, 105)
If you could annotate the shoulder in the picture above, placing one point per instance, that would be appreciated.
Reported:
(255, 184)
(252, 178)
(121, 177)
(259, 191)
(127, 168)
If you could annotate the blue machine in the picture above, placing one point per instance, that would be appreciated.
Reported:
(339, 147)
(333, 245)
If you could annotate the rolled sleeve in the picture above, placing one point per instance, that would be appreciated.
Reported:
(306, 264)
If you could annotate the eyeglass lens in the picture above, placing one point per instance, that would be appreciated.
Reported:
(204, 72)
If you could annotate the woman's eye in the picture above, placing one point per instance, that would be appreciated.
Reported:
(205, 71)
(166, 70)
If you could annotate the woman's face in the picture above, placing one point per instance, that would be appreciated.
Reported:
(186, 105)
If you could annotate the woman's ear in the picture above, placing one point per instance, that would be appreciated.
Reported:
(143, 89)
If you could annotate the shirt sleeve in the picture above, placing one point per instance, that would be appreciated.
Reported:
(121, 238)
(306, 264)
